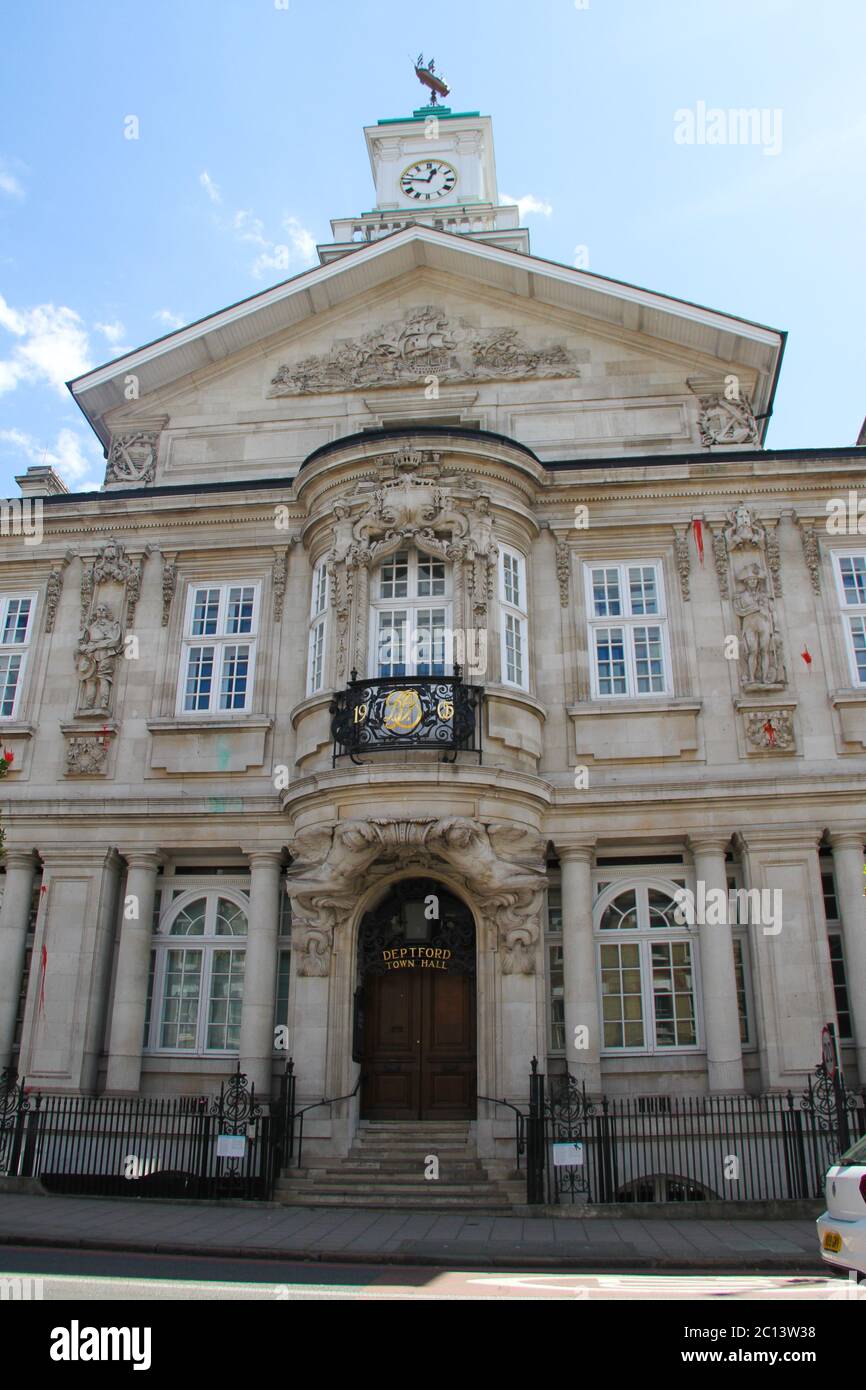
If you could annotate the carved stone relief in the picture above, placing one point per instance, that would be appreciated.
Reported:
(86, 754)
(110, 589)
(811, 551)
(132, 457)
(500, 866)
(684, 560)
(768, 729)
(726, 422)
(53, 590)
(563, 570)
(169, 584)
(423, 342)
(762, 665)
(453, 522)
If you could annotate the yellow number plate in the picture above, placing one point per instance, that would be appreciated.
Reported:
(832, 1242)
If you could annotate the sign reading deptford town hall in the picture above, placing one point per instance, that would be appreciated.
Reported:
(416, 957)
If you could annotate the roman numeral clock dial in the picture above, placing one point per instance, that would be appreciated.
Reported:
(428, 179)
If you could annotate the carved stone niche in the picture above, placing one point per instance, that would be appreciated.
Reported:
(500, 866)
(110, 589)
(751, 585)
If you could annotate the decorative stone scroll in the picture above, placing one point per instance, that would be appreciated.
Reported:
(424, 342)
(811, 551)
(762, 665)
(684, 560)
(132, 457)
(110, 589)
(563, 570)
(500, 865)
(169, 584)
(53, 590)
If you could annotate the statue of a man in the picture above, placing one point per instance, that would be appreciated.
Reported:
(99, 646)
(758, 629)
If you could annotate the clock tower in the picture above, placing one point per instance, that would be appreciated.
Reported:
(435, 168)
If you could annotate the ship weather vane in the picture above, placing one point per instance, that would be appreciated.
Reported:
(426, 73)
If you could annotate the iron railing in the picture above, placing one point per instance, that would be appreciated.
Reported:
(386, 714)
(774, 1147)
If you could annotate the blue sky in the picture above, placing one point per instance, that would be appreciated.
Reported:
(250, 120)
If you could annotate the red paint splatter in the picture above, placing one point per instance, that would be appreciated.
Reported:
(698, 528)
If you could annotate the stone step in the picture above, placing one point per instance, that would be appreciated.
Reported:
(409, 1170)
(493, 1204)
(428, 1190)
(367, 1177)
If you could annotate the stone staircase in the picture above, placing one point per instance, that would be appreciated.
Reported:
(385, 1170)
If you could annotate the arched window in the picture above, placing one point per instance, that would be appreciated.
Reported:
(199, 958)
(647, 969)
(411, 606)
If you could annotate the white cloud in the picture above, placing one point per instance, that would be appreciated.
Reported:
(112, 331)
(298, 249)
(209, 186)
(9, 184)
(527, 204)
(71, 455)
(165, 316)
(52, 346)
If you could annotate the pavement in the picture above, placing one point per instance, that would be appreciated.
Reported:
(252, 1230)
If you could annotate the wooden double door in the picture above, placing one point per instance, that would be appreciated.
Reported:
(419, 1060)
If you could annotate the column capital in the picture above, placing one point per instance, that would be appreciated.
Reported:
(19, 859)
(582, 853)
(755, 839)
(847, 837)
(264, 856)
(709, 841)
(142, 858)
(59, 856)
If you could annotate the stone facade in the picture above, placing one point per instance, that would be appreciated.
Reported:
(653, 606)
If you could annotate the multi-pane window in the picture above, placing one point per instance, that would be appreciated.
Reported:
(851, 584)
(627, 629)
(198, 975)
(513, 611)
(647, 971)
(837, 951)
(318, 629)
(410, 632)
(219, 649)
(16, 626)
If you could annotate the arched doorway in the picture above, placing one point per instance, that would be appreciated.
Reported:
(415, 1032)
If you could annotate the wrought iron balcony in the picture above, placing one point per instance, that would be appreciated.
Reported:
(386, 714)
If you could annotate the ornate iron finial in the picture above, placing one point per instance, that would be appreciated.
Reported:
(426, 74)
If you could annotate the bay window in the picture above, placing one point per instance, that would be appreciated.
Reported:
(513, 619)
(318, 629)
(411, 615)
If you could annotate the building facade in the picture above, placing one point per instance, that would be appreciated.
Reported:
(445, 676)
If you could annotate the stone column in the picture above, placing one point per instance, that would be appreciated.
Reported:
(580, 976)
(260, 970)
(847, 846)
(14, 918)
(718, 976)
(126, 1037)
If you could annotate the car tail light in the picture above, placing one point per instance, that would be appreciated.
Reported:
(863, 1186)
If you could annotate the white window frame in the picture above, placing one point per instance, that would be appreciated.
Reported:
(836, 933)
(513, 615)
(628, 622)
(850, 612)
(411, 605)
(220, 641)
(317, 642)
(21, 649)
(208, 944)
(643, 938)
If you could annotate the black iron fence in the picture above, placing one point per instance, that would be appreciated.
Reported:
(178, 1146)
(685, 1148)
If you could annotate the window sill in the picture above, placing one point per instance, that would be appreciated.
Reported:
(850, 706)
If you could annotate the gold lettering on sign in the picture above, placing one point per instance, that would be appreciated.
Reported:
(407, 957)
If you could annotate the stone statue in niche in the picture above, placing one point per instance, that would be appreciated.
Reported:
(99, 646)
(761, 657)
(758, 636)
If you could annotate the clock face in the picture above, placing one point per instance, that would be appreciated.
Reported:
(428, 179)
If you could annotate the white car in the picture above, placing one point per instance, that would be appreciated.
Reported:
(842, 1227)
